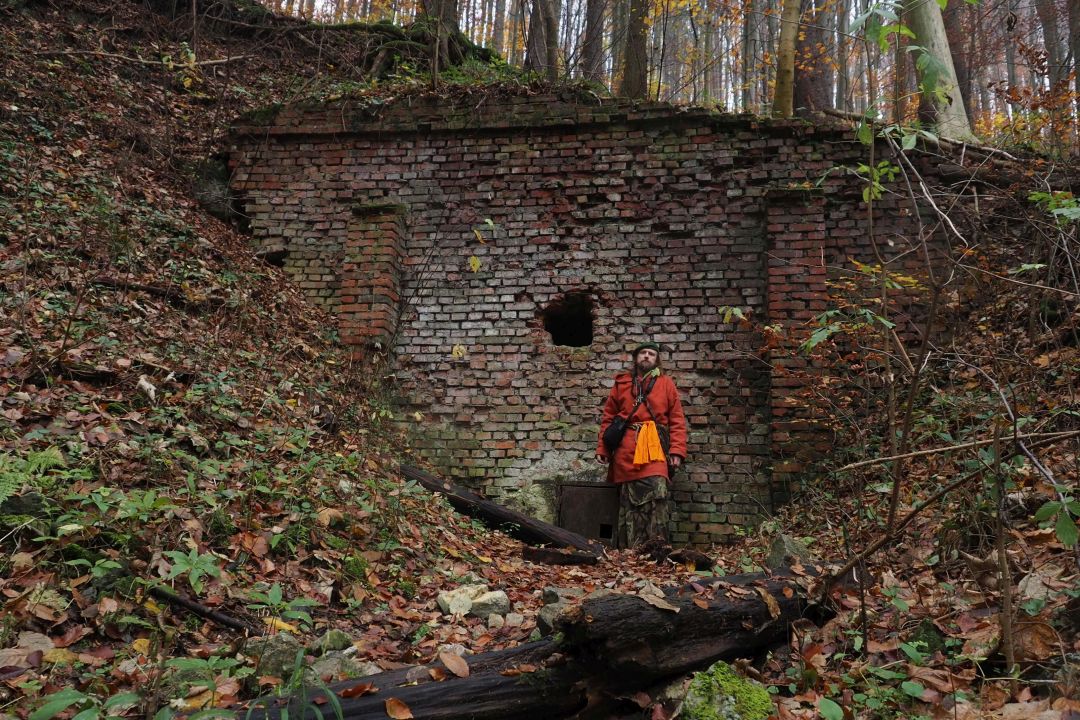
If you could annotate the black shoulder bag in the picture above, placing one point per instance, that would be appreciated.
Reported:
(614, 433)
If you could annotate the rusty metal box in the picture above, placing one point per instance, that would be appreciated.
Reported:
(589, 509)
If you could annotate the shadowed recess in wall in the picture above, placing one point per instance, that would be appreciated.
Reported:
(569, 320)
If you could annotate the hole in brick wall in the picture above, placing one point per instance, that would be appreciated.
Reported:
(273, 257)
(569, 320)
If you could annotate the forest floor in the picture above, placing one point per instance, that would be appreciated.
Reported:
(172, 411)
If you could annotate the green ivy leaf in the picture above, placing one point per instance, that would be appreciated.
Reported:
(1066, 530)
(912, 688)
(865, 133)
(830, 710)
(58, 703)
(1047, 511)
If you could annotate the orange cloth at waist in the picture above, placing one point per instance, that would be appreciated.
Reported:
(648, 447)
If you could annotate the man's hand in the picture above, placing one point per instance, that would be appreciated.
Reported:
(602, 459)
(676, 460)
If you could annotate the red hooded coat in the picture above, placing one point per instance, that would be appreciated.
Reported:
(667, 409)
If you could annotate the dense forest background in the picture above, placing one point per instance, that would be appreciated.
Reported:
(1015, 60)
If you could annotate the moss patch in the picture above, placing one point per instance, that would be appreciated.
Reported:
(719, 694)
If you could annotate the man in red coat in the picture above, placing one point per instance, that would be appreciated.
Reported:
(643, 461)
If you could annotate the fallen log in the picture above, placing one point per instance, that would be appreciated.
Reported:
(516, 524)
(611, 644)
(638, 641)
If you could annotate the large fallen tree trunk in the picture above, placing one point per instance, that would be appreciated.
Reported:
(518, 525)
(612, 644)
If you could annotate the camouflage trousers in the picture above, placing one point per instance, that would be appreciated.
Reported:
(644, 511)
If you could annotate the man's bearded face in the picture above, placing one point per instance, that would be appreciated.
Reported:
(646, 360)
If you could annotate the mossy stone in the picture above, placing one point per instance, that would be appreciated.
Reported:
(333, 640)
(719, 694)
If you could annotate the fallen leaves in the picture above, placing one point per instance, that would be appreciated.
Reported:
(655, 596)
(358, 690)
(770, 602)
(455, 664)
(397, 709)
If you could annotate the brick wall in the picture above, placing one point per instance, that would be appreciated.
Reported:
(443, 226)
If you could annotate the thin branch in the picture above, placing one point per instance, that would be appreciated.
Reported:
(1062, 435)
(199, 609)
(140, 61)
(907, 519)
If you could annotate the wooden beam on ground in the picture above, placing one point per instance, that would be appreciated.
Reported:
(516, 524)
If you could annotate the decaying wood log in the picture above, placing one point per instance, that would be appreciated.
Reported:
(515, 524)
(611, 643)
(637, 641)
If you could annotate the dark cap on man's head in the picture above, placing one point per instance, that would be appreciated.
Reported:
(650, 345)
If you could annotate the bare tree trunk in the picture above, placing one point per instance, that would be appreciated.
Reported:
(749, 54)
(929, 29)
(541, 49)
(498, 27)
(843, 8)
(813, 85)
(785, 65)
(592, 47)
(957, 34)
(1055, 62)
(1074, 50)
(551, 33)
(517, 31)
(901, 70)
(444, 16)
(1010, 18)
(635, 60)
(662, 41)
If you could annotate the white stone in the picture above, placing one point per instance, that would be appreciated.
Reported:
(460, 600)
(490, 603)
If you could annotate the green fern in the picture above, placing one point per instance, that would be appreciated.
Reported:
(15, 472)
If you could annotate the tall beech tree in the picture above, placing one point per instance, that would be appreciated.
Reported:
(937, 75)
(542, 44)
(635, 73)
(783, 101)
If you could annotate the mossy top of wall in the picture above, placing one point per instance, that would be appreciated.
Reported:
(496, 109)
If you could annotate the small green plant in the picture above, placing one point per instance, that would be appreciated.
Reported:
(273, 602)
(306, 696)
(195, 565)
(90, 707)
(1063, 205)
(208, 672)
(16, 471)
(1062, 513)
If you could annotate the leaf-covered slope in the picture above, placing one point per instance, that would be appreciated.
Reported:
(173, 413)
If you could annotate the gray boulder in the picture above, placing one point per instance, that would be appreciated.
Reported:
(786, 551)
(545, 619)
(554, 594)
(275, 655)
(333, 640)
(335, 665)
